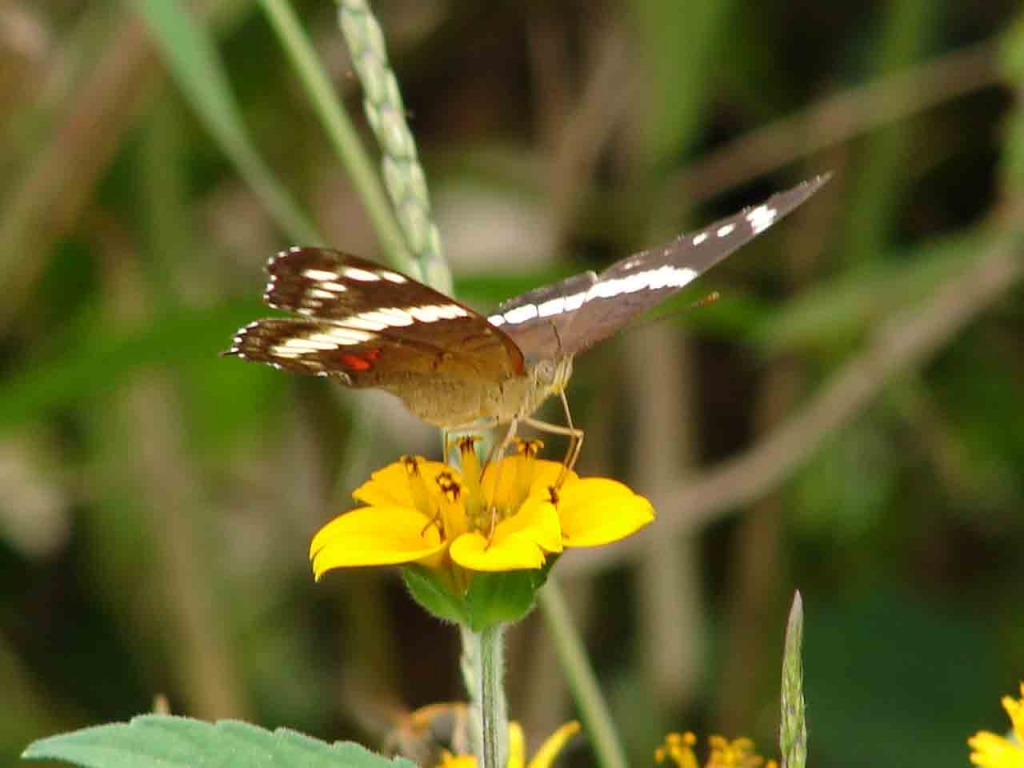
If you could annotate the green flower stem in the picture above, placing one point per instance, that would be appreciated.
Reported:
(593, 710)
(483, 659)
(340, 130)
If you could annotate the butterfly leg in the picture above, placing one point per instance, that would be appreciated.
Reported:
(575, 439)
(497, 453)
(574, 434)
(498, 449)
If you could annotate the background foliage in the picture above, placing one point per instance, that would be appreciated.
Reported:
(847, 419)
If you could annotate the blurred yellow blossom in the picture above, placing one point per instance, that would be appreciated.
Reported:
(722, 753)
(517, 749)
(990, 750)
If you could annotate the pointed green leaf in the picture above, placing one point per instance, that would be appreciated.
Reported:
(192, 58)
(163, 741)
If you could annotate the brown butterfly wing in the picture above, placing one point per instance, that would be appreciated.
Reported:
(370, 325)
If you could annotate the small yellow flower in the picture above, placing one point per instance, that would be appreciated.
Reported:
(678, 748)
(722, 753)
(544, 758)
(504, 518)
(738, 753)
(992, 751)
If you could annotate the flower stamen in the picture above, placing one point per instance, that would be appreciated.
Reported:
(453, 520)
(528, 449)
(418, 488)
(474, 498)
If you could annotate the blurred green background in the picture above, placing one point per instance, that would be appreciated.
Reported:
(847, 420)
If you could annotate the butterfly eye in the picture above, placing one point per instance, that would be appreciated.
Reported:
(545, 372)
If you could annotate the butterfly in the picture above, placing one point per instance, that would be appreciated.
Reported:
(369, 326)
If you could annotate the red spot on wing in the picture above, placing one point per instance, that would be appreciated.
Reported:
(356, 363)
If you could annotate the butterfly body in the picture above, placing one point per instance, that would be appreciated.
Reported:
(370, 326)
(462, 401)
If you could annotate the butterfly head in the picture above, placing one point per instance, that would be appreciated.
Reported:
(547, 377)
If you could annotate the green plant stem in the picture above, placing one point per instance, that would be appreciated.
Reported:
(483, 660)
(404, 177)
(339, 128)
(597, 720)
(793, 723)
(491, 695)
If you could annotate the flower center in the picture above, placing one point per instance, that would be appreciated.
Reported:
(485, 496)
(497, 491)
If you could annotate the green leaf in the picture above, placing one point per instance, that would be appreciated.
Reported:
(163, 741)
(92, 360)
(432, 595)
(838, 311)
(680, 79)
(192, 58)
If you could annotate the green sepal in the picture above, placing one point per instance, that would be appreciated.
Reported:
(504, 597)
(433, 594)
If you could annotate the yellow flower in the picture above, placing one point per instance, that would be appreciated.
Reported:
(504, 518)
(722, 753)
(678, 748)
(517, 749)
(992, 751)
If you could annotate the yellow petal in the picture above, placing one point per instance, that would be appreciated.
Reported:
(553, 745)
(596, 511)
(448, 760)
(516, 746)
(543, 475)
(390, 486)
(546, 474)
(514, 553)
(519, 541)
(1015, 709)
(992, 751)
(385, 535)
(537, 519)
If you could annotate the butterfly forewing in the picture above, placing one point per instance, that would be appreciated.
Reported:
(545, 325)
(637, 283)
(370, 325)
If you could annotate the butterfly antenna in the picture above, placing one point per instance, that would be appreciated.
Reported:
(711, 298)
(558, 337)
(652, 318)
